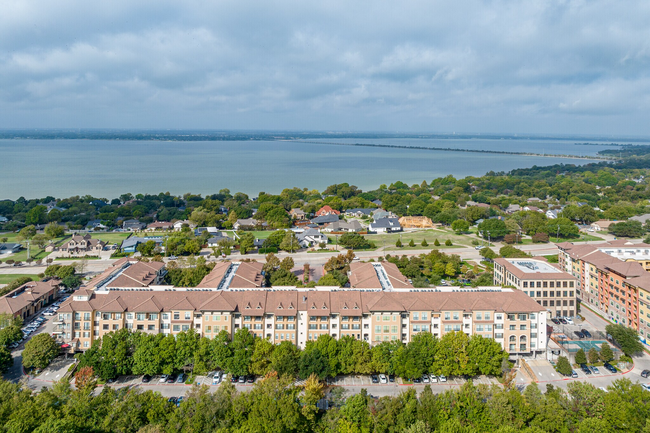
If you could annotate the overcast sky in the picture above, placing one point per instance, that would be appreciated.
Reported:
(432, 66)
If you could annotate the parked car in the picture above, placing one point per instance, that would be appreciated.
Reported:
(171, 378)
(579, 334)
(569, 320)
(442, 378)
(250, 378)
(594, 369)
(180, 378)
(146, 378)
(562, 321)
(554, 320)
(645, 373)
(602, 388)
(425, 378)
(179, 401)
(391, 378)
(434, 378)
(574, 374)
(374, 378)
(586, 333)
(163, 378)
(383, 378)
(233, 378)
(646, 386)
(173, 400)
(585, 368)
(417, 380)
(216, 379)
(242, 379)
(610, 367)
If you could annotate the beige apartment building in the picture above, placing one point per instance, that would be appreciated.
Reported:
(376, 313)
(549, 286)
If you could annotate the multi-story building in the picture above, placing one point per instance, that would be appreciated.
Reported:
(552, 288)
(128, 273)
(612, 278)
(79, 246)
(233, 296)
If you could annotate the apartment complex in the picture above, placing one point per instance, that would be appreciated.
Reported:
(29, 298)
(613, 278)
(549, 286)
(232, 296)
(128, 274)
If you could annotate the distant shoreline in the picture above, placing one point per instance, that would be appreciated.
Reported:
(451, 149)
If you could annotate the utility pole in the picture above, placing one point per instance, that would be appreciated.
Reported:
(28, 243)
(557, 235)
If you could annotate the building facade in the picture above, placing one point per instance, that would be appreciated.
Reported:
(550, 287)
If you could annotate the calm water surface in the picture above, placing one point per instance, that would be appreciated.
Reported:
(107, 168)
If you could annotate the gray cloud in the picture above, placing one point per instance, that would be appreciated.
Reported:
(493, 66)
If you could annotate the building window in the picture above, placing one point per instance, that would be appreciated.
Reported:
(188, 315)
(140, 328)
(165, 316)
(447, 316)
(176, 328)
(177, 316)
(153, 316)
(151, 327)
(416, 316)
(140, 316)
(479, 316)
(105, 327)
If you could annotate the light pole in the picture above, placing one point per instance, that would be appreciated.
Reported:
(557, 235)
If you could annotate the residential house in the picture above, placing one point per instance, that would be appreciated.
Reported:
(513, 208)
(343, 226)
(326, 210)
(325, 219)
(29, 299)
(211, 230)
(377, 202)
(95, 225)
(601, 225)
(79, 246)
(359, 212)
(214, 241)
(380, 213)
(133, 225)
(178, 225)
(553, 213)
(297, 214)
(532, 208)
(385, 225)
(534, 200)
(160, 225)
(311, 237)
(3, 219)
(246, 223)
(130, 245)
(643, 219)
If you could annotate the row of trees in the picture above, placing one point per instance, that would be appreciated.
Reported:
(276, 405)
(125, 352)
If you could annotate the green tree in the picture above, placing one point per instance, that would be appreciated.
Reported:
(606, 353)
(460, 226)
(290, 242)
(246, 242)
(313, 362)
(328, 280)
(39, 351)
(627, 229)
(285, 359)
(448, 242)
(53, 231)
(425, 243)
(353, 241)
(563, 366)
(581, 358)
(398, 244)
(36, 215)
(261, 358)
(593, 356)
(436, 242)
(412, 243)
(485, 356)
(626, 338)
(451, 358)
(492, 229)
(287, 264)
(6, 360)
(243, 344)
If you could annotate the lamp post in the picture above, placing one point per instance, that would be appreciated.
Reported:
(557, 235)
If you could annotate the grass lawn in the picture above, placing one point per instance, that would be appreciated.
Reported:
(8, 278)
(420, 247)
(76, 258)
(111, 238)
(35, 253)
(430, 235)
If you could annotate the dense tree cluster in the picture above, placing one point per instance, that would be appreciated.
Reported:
(124, 352)
(276, 405)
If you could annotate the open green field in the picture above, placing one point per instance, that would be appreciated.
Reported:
(111, 238)
(8, 278)
(430, 235)
(258, 234)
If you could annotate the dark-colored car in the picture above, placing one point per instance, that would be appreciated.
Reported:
(562, 321)
(585, 368)
(645, 373)
(374, 378)
(250, 379)
(179, 401)
(233, 378)
(554, 320)
(180, 378)
(417, 380)
(171, 378)
(112, 380)
(610, 367)
(579, 334)
(586, 333)
(173, 400)
(391, 378)
(146, 378)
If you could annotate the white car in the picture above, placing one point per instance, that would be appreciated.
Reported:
(434, 378)
(163, 378)
(646, 386)
(383, 378)
(569, 320)
(442, 378)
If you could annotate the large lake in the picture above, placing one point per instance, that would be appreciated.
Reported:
(108, 168)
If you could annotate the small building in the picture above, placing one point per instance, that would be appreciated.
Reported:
(326, 210)
(246, 223)
(552, 213)
(380, 213)
(95, 225)
(211, 230)
(3, 219)
(643, 219)
(385, 225)
(214, 241)
(178, 225)
(601, 225)
(513, 208)
(133, 225)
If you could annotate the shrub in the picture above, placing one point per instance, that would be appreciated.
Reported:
(448, 242)
(411, 243)
(425, 243)
(436, 242)
(510, 238)
(268, 250)
(540, 238)
(398, 244)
